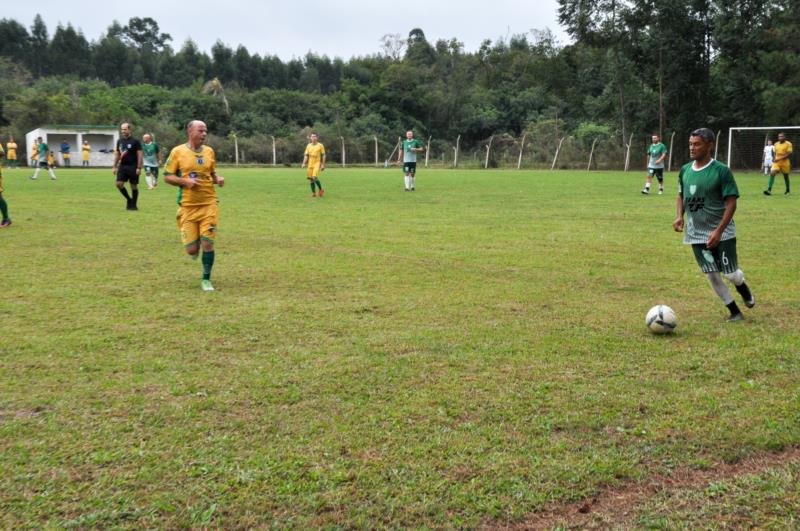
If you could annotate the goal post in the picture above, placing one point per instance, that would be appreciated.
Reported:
(746, 144)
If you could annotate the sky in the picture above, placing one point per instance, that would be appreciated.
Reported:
(344, 28)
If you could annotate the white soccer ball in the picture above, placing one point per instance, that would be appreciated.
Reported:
(661, 319)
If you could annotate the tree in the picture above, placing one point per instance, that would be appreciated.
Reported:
(14, 41)
(38, 62)
(142, 33)
(69, 53)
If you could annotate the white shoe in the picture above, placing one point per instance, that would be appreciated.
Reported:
(661, 192)
(206, 285)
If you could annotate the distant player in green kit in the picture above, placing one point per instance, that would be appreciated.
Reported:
(707, 193)
(408, 153)
(655, 166)
(150, 159)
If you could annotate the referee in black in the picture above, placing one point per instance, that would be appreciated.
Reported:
(128, 165)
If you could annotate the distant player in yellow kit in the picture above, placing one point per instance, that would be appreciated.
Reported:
(193, 168)
(3, 205)
(315, 157)
(11, 152)
(781, 163)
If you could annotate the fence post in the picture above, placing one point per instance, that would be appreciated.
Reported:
(344, 155)
(591, 154)
(235, 148)
(628, 153)
(455, 158)
(716, 145)
(488, 149)
(671, 140)
(555, 159)
(428, 151)
(521, 148)
(274, 157)
(375, 138)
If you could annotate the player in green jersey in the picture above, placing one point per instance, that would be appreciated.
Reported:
(43, 151)
(408, 155)
(657, 152)
(3, 205)
(151, 153)
(707, 194)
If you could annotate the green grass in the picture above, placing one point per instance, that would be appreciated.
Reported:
(462, 355)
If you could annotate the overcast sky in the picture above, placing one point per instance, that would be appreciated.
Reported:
(342, 28)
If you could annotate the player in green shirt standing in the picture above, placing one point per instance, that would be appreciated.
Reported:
(43, 151)
(707, 194)
(409, 149)
(655, 166)
(150, 160)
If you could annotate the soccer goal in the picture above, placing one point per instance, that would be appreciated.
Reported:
(746, 144)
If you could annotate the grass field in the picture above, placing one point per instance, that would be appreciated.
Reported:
(462, 356)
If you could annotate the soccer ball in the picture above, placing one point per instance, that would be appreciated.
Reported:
(661, 319)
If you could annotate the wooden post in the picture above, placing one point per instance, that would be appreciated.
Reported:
(235, 148)
(591, 154)
(671, 140)
(375, 138)
(521, 148)
(628, 153)
(428, 151)
(488, 149)
(344, 154)
(274, 152)
(555, 159)
(396, 146)
(716, 144)
(455, 158)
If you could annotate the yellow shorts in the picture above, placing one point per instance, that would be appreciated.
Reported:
(12, 155)
(782, 166)
(313, 170)
(198, 222)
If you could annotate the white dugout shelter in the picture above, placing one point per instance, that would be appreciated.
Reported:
(102, 139)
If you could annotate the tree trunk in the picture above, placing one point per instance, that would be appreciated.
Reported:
(488, 149)
(521, 149)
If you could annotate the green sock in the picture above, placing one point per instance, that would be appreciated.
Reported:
(319, 184)
(4, 209)
(313, 190)
(771, 182)
(786, 180)
(208, 263)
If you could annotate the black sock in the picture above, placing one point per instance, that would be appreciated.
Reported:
(744, 291)
(733, 308)
(135, 197)
(124, 192)
(208, 263)
(786, 180)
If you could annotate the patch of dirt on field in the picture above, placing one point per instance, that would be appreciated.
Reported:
(615, 508)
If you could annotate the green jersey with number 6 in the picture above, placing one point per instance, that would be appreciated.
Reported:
(704, 191)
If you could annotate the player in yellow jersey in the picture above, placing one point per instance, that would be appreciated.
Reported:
(193, 168)
(3, 205)
(85, 150)
(11, 154)
(35, 154)
(51, 159)
(781, 163)
(315, 157)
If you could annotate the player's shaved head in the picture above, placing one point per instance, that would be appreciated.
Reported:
(126, 129)
(197, 131)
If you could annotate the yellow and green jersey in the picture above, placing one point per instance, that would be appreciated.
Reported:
(314, 153)
(783, 149)
(198, 165)
(12, 150)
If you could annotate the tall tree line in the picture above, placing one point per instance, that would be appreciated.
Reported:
(633, 67)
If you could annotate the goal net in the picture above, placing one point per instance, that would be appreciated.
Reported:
(746, 145)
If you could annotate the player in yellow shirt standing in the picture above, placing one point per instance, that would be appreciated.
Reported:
(85, 150)
(781, 163)
(315, 157)
(11, 154)
(193, 168)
